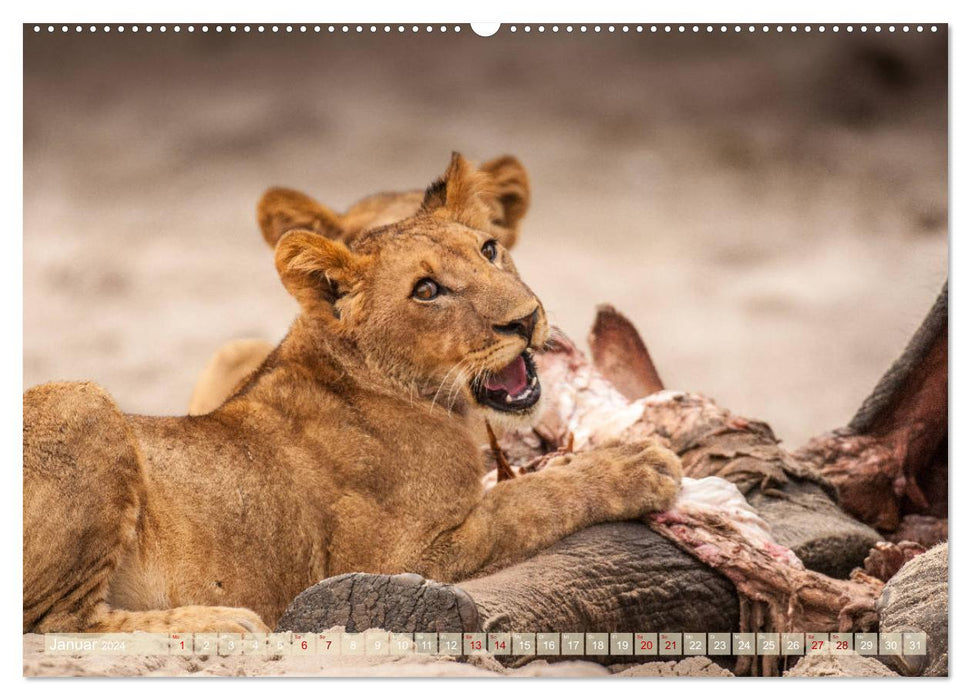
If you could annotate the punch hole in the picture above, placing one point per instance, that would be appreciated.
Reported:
(485, 28)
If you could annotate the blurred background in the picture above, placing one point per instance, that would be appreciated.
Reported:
(770, 209)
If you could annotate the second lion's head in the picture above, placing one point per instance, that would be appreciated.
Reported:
(433, 300)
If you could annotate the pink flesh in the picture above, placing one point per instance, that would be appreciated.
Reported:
(511, 378)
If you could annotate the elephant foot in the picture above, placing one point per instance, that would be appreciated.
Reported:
(399, 603)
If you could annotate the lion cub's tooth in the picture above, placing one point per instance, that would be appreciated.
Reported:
(508, 398)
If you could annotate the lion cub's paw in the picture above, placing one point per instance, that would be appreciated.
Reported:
(216, 619)
(646, 475)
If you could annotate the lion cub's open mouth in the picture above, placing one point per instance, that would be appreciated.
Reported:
(513, 388)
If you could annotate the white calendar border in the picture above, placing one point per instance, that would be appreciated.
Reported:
(829, 11)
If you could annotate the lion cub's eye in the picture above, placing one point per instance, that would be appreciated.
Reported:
(490, 251)
(425, 290)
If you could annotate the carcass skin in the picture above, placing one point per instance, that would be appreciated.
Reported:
(711, 519)
(584, 409)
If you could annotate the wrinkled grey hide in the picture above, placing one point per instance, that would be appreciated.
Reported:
(807, 521)
(612, 577)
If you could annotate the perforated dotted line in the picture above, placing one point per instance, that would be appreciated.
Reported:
(723, 28)
(428, 28)
(249, 28)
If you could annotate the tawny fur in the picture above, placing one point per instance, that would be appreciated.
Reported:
(349, 449)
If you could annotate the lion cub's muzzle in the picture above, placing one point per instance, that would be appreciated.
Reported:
(514, 388)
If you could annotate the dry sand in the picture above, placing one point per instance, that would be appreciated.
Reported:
(770, 211)
(36, 663)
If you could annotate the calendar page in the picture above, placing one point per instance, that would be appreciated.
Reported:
(526, 349)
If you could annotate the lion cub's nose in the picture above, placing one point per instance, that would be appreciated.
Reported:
(523, 327)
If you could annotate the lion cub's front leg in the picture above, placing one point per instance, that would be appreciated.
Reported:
(522, 516)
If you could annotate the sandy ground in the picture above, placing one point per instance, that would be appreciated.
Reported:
(770, 211)
(39, 664)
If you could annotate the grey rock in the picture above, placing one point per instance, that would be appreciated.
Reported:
(915, 600)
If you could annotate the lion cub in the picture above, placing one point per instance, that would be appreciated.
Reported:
(504, 192)
(348, 450)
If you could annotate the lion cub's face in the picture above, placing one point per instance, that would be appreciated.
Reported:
(433, 301)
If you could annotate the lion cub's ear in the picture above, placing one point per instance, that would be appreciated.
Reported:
(281, 210)
(316, 270)
(511, 187)
(491, 198)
